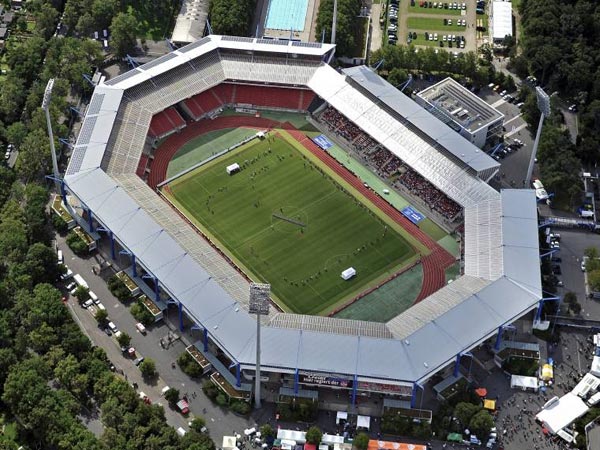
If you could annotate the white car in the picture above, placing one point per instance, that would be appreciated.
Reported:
(435, 37)
(583, 265)
(112, 327)
(88, 303)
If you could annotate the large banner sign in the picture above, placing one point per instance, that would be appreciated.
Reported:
(412, 214)
(322, 141)
(324, 380)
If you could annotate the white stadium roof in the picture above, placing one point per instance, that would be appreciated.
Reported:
(502, 273)
(501, 20)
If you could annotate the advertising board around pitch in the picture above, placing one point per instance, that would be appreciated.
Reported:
(412, 214)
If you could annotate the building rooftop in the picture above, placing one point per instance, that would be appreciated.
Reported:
(191, 21)
(460, 105)
(501, 20)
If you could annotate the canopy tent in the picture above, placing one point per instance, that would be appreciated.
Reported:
(521, 382)
(547, 372)
(348, 273)
(363, 422)
(291, 435)
(228, 443)
(341, 415)
(332, 439)
(589, 383)
(595, 369)
(387, 445)
(482, 392)
(558, 413)
(489, 404)
(454, 437)
(323, 447)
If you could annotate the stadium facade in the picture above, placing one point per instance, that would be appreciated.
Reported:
(501, 280)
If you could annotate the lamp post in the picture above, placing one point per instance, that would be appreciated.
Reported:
(46, 108)
(259, 304)
(543, 103)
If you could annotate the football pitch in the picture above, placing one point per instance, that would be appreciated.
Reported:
(286, 221)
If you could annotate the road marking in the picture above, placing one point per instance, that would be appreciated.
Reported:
(516, 130)
(516, 117)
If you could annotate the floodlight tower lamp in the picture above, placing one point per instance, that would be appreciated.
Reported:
(46, 108)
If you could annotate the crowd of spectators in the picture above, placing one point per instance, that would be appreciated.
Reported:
(386, 164)
(432, 196)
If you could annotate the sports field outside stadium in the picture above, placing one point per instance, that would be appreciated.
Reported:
(288, 221)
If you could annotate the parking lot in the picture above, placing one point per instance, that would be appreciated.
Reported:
(447, 25)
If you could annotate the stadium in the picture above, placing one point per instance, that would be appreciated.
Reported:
(115, 185)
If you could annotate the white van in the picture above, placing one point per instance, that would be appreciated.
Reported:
(60, 258)
(101, 306)
(94, 297)
(112, 327)
(181, 432)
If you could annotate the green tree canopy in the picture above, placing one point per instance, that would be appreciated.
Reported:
(123, 31)
(314, 435)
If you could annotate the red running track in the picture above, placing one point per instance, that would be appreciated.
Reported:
(164, 154)
(434, 264)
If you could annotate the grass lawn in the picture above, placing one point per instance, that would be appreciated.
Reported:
(431, 24)
(441, 12)
(203, 147)
(287, 222)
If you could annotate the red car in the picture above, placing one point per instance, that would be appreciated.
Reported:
(183, 406)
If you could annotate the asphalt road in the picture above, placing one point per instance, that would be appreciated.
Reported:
(219, 421)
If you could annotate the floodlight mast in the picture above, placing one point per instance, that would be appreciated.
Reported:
(543, 103)
(46, 108)
(259, 304)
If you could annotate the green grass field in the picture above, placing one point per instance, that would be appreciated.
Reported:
(433, 24)
(204, 146)
(287, 222)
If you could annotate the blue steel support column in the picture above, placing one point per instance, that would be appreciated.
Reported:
(413, 397)
(90, 219)
(112, 245)
(296, 381)
(238, 375)
(538, 313)
(457, 365)
(156, 290)
(133, 264)
(181, 327)
(63, 191)
(354, 388)
(499, 338)
(205, 340)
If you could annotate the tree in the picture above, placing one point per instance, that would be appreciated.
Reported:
(361, 441)
(148, 368)
(481, 423)
(267, 431)
(101, 316)
(347, 26)
(172, 396)
(123, 31)
(314, 435)
(570, 297)
(124, 340)
(41, 264)
(465, 411)
(231, 17)
(575, 307)
(16, 133)
(82, 293)
(197, 424)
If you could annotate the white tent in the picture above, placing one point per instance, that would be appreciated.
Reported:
(589, 383)
(521, 382)
(291, 435)
(228, 442)
(595, 369)
(232, 168)
(501, 20)
(558, 413)
(341, 415)
(363, 422)
(332, 439)
(348, 273)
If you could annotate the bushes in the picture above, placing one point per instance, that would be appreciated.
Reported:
(231, 17)
(393, 423)
(314, 435)
(299, 411)
(189, 366)
(240, 407)
(59, 224)
(76, 244)
(118, 289)
(210, 390)
(141, 314)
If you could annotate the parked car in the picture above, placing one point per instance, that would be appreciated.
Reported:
(183, 407)
(140, 327)
(112, 327)
(138, 361)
